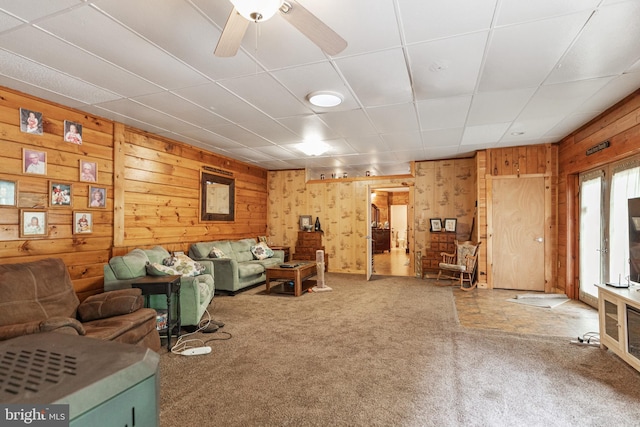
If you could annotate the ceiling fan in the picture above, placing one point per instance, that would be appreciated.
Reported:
(245, 11)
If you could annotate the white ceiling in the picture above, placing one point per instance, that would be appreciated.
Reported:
(421, 79)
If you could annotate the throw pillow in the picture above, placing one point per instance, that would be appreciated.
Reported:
(155, 269)
(261, 251)
(184, 265)
(216, 253)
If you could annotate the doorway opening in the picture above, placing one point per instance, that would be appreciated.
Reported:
(390, 232)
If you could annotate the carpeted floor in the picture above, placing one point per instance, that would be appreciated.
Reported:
(385, 353)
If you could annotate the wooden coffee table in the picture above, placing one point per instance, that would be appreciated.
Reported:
(302, 271)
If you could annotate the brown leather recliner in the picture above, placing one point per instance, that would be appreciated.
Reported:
(38, 296)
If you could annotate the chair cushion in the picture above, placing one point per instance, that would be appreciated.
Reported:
(452, 267)
(109, 304)
(130, 266)
(465, 249)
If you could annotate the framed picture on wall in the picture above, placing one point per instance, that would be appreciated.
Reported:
(30, 121)
(450, 224)
(34, 162)
(88, 171)
(436, 224)
(33, 223)
(97, 197)
(82, 222)
(8, 192)
(60, 194)
(72, 132)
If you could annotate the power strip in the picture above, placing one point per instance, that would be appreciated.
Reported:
(196, 351)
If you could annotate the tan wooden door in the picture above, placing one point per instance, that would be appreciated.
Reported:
(518, 212)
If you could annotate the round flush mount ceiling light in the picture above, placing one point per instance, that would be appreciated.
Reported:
(257, 10)
(325, 99)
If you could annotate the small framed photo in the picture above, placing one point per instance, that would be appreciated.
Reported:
(97, 197)
(60, 194)
(33, 223)
(8, 193)
(88, 171)
(305, 222)
(30, 121)
(73, 132)
(34, 162)
(436, 224)
(82, 222)
(450, 224)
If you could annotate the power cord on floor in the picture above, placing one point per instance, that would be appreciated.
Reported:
(589, 338)
(197, 346)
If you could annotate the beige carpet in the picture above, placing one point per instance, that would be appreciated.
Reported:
(386, 353)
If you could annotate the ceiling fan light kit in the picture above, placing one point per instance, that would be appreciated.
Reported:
(245, 11)
(257, 10)
(325, 99)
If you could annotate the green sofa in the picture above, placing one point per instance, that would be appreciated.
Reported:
(195, 292)
(238, 268)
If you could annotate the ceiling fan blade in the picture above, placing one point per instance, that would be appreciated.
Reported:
(232, 35)
(309, 25)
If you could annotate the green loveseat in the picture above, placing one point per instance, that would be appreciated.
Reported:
(238, 268)
(195, 292)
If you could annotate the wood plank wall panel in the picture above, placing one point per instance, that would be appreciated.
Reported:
(161, 198)
(621, 126)
(84, 254)
(341, 206)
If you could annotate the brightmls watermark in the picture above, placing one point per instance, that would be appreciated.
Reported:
(34, 415)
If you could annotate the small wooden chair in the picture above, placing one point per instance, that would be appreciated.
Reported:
(460, 264)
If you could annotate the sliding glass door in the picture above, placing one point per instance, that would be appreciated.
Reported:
(604, 225)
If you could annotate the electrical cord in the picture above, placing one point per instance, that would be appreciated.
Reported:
(183, 344)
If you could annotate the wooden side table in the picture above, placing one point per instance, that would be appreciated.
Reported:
(159, 285)
(286, 250)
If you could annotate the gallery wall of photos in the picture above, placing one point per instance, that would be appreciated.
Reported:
(56, 187)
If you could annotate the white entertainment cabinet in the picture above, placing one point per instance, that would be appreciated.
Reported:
(619, 315)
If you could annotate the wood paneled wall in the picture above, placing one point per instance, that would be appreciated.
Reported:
(620, 125)
(152, 183)
(83, 254)
(160, 204)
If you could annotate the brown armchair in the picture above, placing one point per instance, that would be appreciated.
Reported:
(460, 265)
(38, 297)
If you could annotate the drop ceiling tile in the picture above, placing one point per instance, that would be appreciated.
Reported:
(8, 21)
(530, 128)
(278, 152)
(51, 80)
(47, 49)
(250, 154)
(608, 45)
(394, 118)
(240, 135)
(442, 137)
(271, 130)
(368, 144)
(519, 11)
(378, 78)
(266, 94)
(616, 90)
(309, 127)
(349, 123)
(121, 118)
(568, 125)
(222, 102)
(135, 110)
(561, 99)
(484, 134)
(209, 138)
(91, 30)
(408, 140)
(31, 10)
(509, 65)
(443, 113)
(429, 20)
(447, 67)
(496, 107)
(39, 92)
(180, 108)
